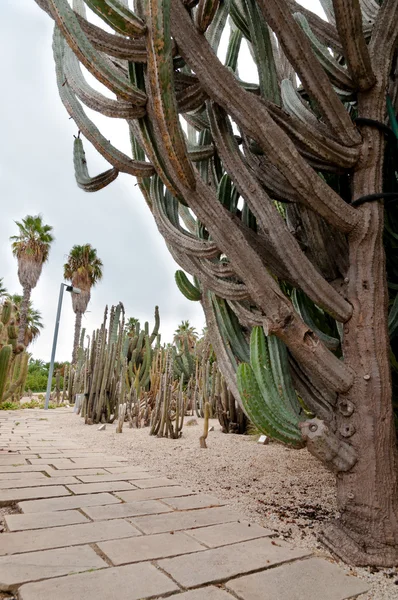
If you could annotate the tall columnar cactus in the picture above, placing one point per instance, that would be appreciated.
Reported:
(115, 369)
(13, 357)
(276, 183)
(168, 414)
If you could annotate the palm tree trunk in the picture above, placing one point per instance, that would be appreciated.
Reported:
(23, 313)
(78, 325)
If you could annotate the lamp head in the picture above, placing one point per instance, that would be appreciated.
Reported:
(73, 290)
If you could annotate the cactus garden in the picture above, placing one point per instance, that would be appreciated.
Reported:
(256, 143)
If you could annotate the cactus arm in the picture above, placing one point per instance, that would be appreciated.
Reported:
(230, 290)
(118, 16)
(98, 66)
(337, 74)
(349, 23)
(300, 55)
(233, 331)
(258, 411)
(300, 305)
(234, 44)
(239, 18)
(262, 48)
(112, 45)
(257, 122)
(92, 98)
(5, 361)
(155, 330)
(144, 131)
(160, 71)
(173, 231)
(305, 273)
(217, 25)
(186, 288)
(83, 179)
(205, 13)
(280, 412)
(281, 373)
(86, 126)
(21, 377)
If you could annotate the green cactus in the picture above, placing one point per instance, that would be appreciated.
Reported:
(267, 392)
(5, 361)
(190, 291)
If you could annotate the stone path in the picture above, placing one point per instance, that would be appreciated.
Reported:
(94, 526)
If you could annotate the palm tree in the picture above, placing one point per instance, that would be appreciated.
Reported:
(31, 247)
(34, 323)
(185, 331)
(131, 325)
(83, 269)
(3, 291)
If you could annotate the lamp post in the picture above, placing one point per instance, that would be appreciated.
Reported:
(73, 290)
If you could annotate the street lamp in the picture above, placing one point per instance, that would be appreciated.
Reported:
(73, 290)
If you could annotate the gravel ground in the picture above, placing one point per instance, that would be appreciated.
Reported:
(282, 489)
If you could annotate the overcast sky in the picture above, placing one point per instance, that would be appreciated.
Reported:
(36, 176)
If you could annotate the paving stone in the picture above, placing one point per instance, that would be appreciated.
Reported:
(185, 520)
(34, 481)
(68, 503)
(18, 494)
(74, 472)
(219, 564)
(69, 535)
(83, 464)
(12, 476)
(154, 493)
(22, 468)
(101, 486)
(83, 454)
(94, 456)
(44, 520)
(115, 477)
(8, 461)
(49, 456)
(207, 593)
(155, 482)
(310, 579)
(195, 501)
(128, 509)
(126, 469)
(229, 533)
(59, 463)
(33, 566)
(131, 582)
(148, 547)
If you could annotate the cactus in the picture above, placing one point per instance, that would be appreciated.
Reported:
(190, 291)
(13, 357)
(114, 369)
(5, 360)
(268, 396)
(203, 437)
(168, 414)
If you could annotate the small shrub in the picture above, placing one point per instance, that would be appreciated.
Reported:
(8, 405)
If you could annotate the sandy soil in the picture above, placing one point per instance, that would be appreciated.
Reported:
(282, 489)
